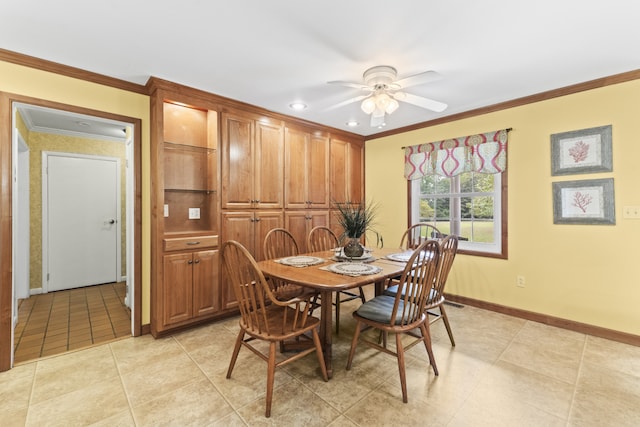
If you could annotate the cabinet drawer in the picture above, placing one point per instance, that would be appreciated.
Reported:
(195, 242)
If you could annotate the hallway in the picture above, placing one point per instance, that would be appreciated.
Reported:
(56, 322)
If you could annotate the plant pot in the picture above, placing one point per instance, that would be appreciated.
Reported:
(353, 248)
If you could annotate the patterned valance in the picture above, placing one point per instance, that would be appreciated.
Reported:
(483, 153)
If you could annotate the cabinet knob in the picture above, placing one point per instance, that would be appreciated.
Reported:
(257, 220)
(190, 262)
(197, 261)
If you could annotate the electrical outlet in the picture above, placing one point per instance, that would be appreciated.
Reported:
(631, 212)
(166, 211)
(520, 281)
(194, 213)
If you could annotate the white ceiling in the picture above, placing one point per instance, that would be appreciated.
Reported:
(270, 53)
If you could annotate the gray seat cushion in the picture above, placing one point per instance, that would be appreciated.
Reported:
(379, 309)
(393, 290)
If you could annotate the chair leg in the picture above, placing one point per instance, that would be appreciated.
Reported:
(445, 319)
(362, 295)
(271, 373)
(403, 376)
(337, 313)
(323, 366)
(426, 338)
(354, 343)
(236, 350)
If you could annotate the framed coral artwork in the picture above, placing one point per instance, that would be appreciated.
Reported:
(589, 201)
(581, 151)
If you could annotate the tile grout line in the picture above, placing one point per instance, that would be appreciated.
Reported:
(210, 381)
(575, 386)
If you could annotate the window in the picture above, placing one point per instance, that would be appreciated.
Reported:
(470, 205)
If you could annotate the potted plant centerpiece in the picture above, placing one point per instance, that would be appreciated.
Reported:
(355, 219)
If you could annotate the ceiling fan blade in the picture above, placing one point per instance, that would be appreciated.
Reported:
(350, 84)
(347, 102)
(419, 101)
(419, 79)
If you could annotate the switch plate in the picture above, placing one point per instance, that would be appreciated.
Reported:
(194, 213)
(520, 282)
(166, 211)
(631, 212)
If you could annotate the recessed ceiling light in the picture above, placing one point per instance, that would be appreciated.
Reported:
(298, 106)
(352, 123)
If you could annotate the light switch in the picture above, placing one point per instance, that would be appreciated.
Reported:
(166, 211)
(194, 213)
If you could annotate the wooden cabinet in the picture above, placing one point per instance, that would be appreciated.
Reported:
(300, 223)
(249, 228)
(222, 170)
(187, 286)
(306, 175)
(185, 211)
(252, 152)
(347, 170)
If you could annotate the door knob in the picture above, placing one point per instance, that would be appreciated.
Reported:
(112, 221)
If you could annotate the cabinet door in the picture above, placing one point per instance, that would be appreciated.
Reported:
(177, 295)
(239, 226)
(237, 159)
(268, 159)
(300, 223)
(296, 169)
(296, 222)
(356, 171)
(347, 171)
(205, 282)
(306, 170)
(264, 222)
(318, 172)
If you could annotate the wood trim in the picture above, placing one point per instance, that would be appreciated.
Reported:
(542, 96)
(65, 70)
(6, 248)
(558, 322)
(6, 128)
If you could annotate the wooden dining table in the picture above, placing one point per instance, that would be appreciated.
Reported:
(327, 282)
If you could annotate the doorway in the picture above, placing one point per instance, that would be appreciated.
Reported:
(130, 133)
(81, 220)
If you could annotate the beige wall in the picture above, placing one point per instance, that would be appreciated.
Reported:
(583, 273)
(39, 142)
(30, 82)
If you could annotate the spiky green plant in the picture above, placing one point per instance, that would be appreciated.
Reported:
(355, 218)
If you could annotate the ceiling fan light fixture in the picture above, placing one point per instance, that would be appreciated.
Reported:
(393, 106)
(368, 105)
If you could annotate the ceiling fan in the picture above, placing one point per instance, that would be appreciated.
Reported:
(384, 91)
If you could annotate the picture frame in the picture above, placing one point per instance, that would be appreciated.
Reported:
(589, 201)
(582, 151)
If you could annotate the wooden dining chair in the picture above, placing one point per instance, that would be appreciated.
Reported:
(405, 311)
(448, 250)
(280, 243)
(323, 239)
(417, 233)
(264, 317)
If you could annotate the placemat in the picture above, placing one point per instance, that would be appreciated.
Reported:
(300, 261)
(353, 268)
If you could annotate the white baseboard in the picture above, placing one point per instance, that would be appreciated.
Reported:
(35, 291)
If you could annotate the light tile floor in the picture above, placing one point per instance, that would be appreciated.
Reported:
(503, 371)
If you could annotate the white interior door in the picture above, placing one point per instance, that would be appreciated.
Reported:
(82, 221)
